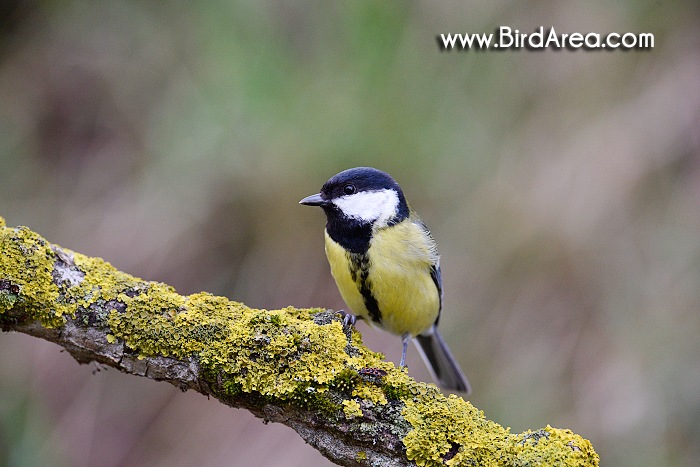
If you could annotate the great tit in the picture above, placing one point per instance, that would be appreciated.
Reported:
(386, 264)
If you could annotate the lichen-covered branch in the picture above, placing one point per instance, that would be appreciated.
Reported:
(299, 367)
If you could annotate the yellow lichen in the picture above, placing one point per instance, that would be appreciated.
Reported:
(102, 281)
(368, 359)
(271, 352)
(370, 392)
(27, 262)
(450, 431)
(351, 408)
(283, 353)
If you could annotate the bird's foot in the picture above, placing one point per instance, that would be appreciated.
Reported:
(348, 318)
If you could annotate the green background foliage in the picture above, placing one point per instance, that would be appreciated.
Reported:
(563, 187)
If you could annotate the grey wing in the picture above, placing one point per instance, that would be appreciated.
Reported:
(432, 347)
(437, 279)
(435, 272)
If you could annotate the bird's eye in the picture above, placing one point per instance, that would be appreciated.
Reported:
(349, 189)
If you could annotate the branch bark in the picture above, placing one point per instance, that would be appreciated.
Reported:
(293, 366)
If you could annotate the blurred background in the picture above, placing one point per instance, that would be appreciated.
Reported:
(175, 140)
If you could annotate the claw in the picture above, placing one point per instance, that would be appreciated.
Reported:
(348, 318)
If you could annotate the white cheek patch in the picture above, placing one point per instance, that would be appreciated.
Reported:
(370, 206)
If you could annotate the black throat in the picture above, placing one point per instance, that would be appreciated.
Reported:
(349, 233)
(355, 235)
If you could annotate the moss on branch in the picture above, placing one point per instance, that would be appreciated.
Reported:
(295, 366)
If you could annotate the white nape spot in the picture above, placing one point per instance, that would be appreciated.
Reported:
(370, 206)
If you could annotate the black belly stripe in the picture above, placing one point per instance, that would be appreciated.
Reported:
(359, 264)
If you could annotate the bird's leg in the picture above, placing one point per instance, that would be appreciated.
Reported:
(406, 338)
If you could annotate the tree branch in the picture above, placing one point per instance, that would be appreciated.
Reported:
(294, 366)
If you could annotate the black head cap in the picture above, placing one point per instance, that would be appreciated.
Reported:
(359, 179)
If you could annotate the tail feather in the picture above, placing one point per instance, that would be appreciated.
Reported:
(441, 363)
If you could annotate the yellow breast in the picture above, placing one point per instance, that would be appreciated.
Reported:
(398, 276)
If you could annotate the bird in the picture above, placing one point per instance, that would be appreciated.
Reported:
(386, 265)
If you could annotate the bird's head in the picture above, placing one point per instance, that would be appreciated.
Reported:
(362, 195)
